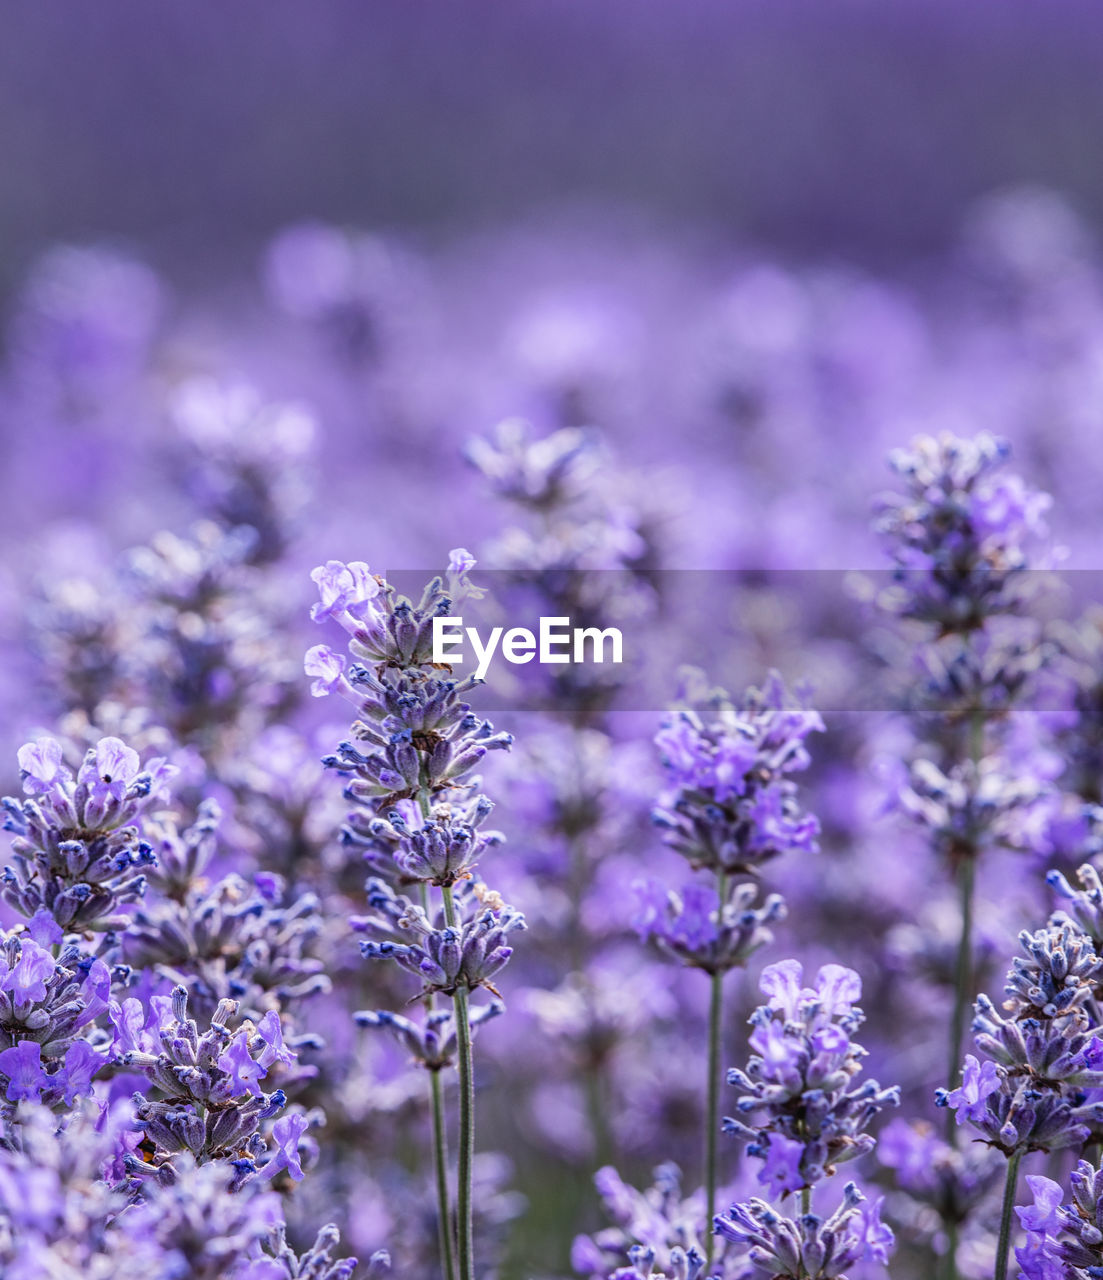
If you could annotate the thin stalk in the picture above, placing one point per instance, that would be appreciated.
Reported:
(963, 973)
(712, 1105)
(805, 1209)
(593, 1064)
(597, 1114)
(440, 1149)
(950, 1268)
(1003, 1249)
(440, 1160)
(467, 1116)
(440, 1132)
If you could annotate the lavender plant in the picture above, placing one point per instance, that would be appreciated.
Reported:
(77, 851)
(730, 809)
(801, 1113)
(960, 536)
(199, 1065)
(1033, 1090)
(416, 740)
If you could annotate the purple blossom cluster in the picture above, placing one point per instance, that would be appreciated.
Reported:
(607, 991)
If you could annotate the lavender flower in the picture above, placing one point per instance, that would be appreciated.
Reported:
(415, 732)
(960, 532)
(692, 927)
(47, 1008)
(658, 1230)
(316, 1263)
(931, 1172)
(444, 849)
(209, 657)
(583, 550)
(55, 1206)
(432, 1042)
(249, 460)
(210, 1103)
(799, 1110)
(1085, 910)
(77, 851)
(535, 472)
(232, 940)
(978, 805)
(732, 806)
(419, 740)
(1029, 1093)
(1064, 1238)
(466, 954)
(809, 1248)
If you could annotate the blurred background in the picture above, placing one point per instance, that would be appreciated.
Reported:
(856, 128)
(753, 246)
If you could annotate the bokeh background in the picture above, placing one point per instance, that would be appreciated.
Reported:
(755, 246)
(851, 129)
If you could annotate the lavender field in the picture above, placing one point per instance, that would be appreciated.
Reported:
(773, 949)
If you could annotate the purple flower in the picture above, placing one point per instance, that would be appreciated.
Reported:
(780, 983)
(44, 929)
(877, 1237)
(326, 666)
(1042, 1216)
(95, 991)
(109, 769)
(800, 1083)
(468, 955)
(128, 1021)
(978, 1082)
(82, 1062)
(460, 587)
(344, 589)
(77, 843)
(694, 927)
(1037, 1263)
(270, 1031)
(41, 766)
(839, 990)
(287, 1131)
(912, 1151)
(731, 804)
(23, 1067)
(780, 1246)
(243, 1071)
(27, 980)
(781, 1168)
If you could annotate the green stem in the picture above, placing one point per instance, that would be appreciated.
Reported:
(805, 1209)
(592, 1063)
(963, 974)
(1003, 1249)
(712, 1105)
(440, 1149)
(597, 1113)
(467, 1115)
(950, 1268)
(440, 1132)
(440, 1160)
